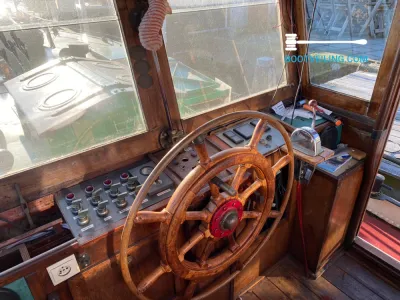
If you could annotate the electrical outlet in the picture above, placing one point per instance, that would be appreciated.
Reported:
(63, 269)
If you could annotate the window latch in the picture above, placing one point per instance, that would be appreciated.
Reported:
(168, 138)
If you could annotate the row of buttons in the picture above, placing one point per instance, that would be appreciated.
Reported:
(100, 205)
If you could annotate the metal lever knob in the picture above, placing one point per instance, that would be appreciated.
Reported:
(114, 190)
(76, 206)
(96, 198)
(121, 201)
(102, 209)
(132, 183)
(83, 217)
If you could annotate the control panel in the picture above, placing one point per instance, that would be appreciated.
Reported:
(99, 205)
(241, 134)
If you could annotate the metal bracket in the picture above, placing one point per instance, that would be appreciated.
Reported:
(169, 138)
(24, 206)
(376, 134)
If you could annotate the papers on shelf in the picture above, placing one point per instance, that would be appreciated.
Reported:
(279, 108)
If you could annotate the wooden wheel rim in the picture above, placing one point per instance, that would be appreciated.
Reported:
(178, 205)
(167, 159)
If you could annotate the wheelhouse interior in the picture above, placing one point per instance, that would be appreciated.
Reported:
(217, 149)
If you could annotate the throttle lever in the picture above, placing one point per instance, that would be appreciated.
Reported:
(224, 186)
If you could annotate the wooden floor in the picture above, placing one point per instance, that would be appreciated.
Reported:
(344, 279)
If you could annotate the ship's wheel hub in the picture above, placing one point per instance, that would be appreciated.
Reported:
(226, 218)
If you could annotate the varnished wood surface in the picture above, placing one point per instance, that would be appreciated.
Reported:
(312, 160)
(345, 279)
(387, 68)
(328, 203)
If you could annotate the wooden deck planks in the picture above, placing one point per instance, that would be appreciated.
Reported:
(266, 290)
(320, 286)
(368, 279)
(249, 296)
(289, 285)
(346, 279)
(348, 285)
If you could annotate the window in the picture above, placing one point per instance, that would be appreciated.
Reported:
(348, 68)
(222, 51)
(65, 81)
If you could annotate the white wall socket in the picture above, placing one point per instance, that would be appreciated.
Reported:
(63, 269)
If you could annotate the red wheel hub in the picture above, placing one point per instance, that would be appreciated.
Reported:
(226, 218)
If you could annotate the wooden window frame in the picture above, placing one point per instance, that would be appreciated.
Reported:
(353, 104)
(262, 101)
(51, 177)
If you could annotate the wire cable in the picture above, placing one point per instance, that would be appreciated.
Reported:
(302, 66)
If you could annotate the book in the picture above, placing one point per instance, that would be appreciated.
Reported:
(333, 164)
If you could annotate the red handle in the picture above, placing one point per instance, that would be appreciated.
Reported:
(299, 202)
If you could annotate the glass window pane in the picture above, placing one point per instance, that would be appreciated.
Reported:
(64, 88)
(222, 51)
(349, 67)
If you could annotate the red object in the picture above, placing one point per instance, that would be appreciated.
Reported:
(299, 202)
(381, 234)
(221, 212)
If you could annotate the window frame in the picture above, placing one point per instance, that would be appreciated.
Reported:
(50, 177)
(350, 103)
(260, 101)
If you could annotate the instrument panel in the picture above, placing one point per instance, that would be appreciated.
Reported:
(241, 134)
(101, 204)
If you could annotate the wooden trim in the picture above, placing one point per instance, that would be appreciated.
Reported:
(370, 107)
(385, 119)
(150, 97)
(51, 177)
(386, 69)
(335, 99)
(30, 233)
(375, 251)
(167, 85)
(374, 264)
(254, 103)
(291, 69)
(258, 102)
(302, 33)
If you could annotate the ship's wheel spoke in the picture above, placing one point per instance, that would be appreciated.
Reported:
(152, 277)
(190, 289)
(233, 245)
(274, 214)
(197, 237)
(215, 194)
(251, 215)
(202, 215)
(282, 162)
(257, 134)
(145, 216)
(250, 190)
(200, 146)
(237, 180)
(208, 248)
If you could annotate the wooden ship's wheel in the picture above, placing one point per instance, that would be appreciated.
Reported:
(222, 229)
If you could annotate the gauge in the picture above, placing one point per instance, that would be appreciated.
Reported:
(145, 171)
